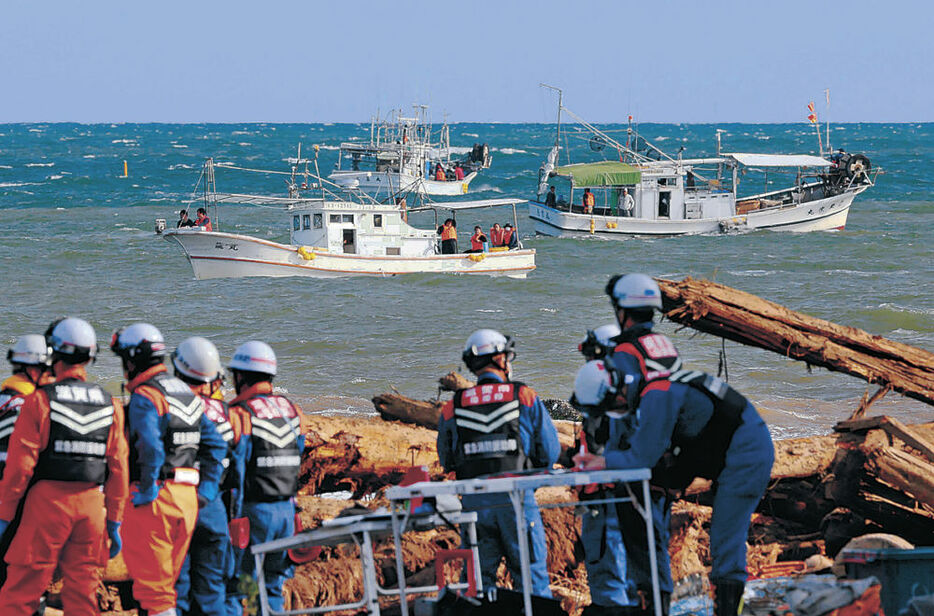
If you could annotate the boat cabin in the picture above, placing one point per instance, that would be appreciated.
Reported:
(354, 228)
(660, 191)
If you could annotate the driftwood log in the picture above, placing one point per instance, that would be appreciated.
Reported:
(742, 317)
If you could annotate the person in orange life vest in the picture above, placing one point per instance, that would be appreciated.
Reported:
(448, 233)
(274, 444)
(69, 450)
(30, 360)
(458, 172)
(496, 235)
(510, 237)
(477, 240)
(208, 569)
(439, 173)
(175, 463)
(499, 426)
(203, 221)
(588, 201)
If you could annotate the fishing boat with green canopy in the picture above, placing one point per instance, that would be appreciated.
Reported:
(650, 192)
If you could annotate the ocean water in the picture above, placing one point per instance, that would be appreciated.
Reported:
(78, 240)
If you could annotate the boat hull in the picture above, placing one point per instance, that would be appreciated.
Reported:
(227, 255)
(819, 215)
(370, 181)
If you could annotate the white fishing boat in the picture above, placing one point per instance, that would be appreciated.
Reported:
(403, 156)
(647, 192)
(335, 235)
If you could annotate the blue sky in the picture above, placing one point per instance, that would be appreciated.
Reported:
(475, 60)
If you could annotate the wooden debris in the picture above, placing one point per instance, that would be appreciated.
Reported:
(735, 315)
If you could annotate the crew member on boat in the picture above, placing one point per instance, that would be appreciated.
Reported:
(448, 233)
(439, 173)
(478, 240)
(183, 220)
(458, 172)
(588, 201)
(551, 198)
(496, 426)
(496, 235)
(629, 203)
(510, 237)
(203, 221)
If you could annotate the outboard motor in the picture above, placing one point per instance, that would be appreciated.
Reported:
(480, 154)
(847, 169)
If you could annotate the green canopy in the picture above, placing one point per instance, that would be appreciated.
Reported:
(607, 173)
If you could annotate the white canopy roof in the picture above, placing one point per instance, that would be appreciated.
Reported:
(778, 160)
(468, 205)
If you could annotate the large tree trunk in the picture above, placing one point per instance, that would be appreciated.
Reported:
(743, 317)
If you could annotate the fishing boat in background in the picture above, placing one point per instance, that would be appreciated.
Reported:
(335, 234)
(403, 156)
(643, 190)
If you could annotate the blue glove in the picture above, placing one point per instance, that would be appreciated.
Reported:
(3, 526)
(144, 496)
(113, 531)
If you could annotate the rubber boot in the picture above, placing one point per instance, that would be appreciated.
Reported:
(727, 596)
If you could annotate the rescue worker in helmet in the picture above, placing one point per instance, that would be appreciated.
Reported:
(642, 355)
(604, 553)
(175, 462)
(29, 357)
(69, 450)
(499, 425)
(209, 567)
(691, 424)
(273, 453)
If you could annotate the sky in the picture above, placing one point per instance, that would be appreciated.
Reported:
(470, 60)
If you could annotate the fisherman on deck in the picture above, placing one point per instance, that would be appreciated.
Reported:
(478, 241)
(604, 552)
(439, 173)
(551, 197)
(70, 465)
(496, 235)
(510, 237)
(448, 233)
(176, 457)
(273, 454)
(203, 221)
(588, 201)
(208, 569)
(498, 426)
(183, 220)
(628, 204)
(458, 172)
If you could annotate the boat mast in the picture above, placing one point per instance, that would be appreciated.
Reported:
(558, 123)
(210, 189)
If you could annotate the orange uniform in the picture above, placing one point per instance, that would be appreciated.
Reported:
(64, 514)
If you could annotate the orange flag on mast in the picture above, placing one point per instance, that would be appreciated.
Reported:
(812, 116)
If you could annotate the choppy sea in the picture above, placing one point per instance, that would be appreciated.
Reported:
(77, 239)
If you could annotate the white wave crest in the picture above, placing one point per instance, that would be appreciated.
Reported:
(897, 308)
(510, 151)
(487, 188)
(474, 135)
(126, 141)
(180, 166)
(40, 164)
(89, 156)
(5, 167)
(180, 146)
(752, 273)
(57, 176)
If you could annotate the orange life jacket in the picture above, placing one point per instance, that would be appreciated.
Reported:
(507, 235)
(448, 233)
(496, 237)
(588, 200)
(439, 175)
(475, 242)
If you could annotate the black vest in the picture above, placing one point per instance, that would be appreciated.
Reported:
(217, 412)
(703, 455)
(487, 421)
(657, 356)
(11, 402)
(80, 417)
(274, 464)
(183, 431)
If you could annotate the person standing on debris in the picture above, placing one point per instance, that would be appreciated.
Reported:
(604, 552)
(497, 426)
(691, 424)
(209, 567)
(642, 355)
(175, 464)
(69, 450)
(273, 453)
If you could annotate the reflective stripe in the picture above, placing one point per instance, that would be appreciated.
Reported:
(483, 417)
(188, 476)
(486, 429)
(82, 424)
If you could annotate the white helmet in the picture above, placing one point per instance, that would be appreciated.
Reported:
(73, 338)
(634, 291)
(141, 343)
(254, 356)
(197, 358)
(599, 385)
(29, 350)
(599, 341)
(484, 343)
